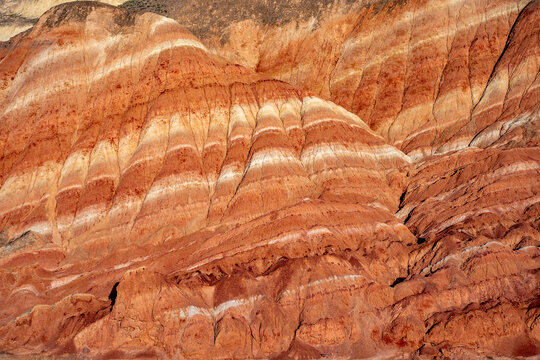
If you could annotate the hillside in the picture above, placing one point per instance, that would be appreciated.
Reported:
(342, 180)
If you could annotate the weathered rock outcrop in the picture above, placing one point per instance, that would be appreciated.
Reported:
(420, 73)
(429, 76)
(157, 200)
(19, 15)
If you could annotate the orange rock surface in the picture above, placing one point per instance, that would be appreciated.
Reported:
(427, 75)
(159, 200)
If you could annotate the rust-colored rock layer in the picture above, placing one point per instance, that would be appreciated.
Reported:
(158, 200)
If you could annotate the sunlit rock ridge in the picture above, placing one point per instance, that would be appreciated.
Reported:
(352, 180)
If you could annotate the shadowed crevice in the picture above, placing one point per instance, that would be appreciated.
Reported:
(113, 294)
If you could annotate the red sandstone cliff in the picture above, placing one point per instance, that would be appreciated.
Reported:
(158, 200)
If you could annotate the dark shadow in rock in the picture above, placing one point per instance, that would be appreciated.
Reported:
(113, 294)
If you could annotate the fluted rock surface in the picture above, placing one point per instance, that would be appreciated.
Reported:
(428, 75)
(159, 201)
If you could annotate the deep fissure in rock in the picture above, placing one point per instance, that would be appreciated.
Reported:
(113, 294)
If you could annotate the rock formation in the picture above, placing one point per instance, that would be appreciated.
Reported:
(417, 72)
(19, 15)
(363, 184)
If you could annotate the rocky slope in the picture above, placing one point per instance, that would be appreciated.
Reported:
(159, 200)
(417, 72)
(19, 15)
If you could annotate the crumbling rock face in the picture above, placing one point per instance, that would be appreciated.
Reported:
(157, 200)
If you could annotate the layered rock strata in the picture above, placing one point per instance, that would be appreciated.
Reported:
(417, 72)
(403, 67)
(159, 201)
